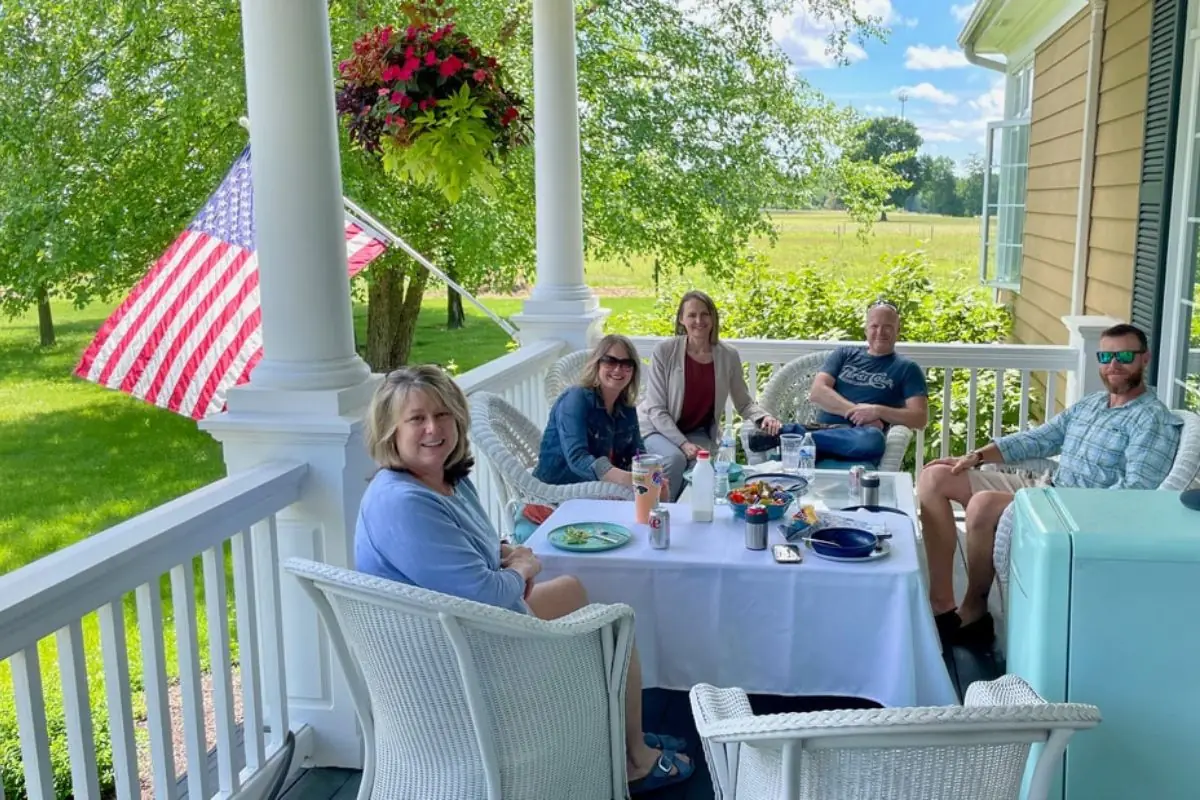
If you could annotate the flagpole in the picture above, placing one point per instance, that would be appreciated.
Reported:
(358, 211)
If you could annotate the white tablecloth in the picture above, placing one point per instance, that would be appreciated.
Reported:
(709, 610)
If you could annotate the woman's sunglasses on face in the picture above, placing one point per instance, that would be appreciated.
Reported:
(1121, 356)
(613, 361)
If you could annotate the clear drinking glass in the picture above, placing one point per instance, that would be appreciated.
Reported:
(789, 451)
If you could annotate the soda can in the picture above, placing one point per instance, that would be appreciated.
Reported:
(660, 528)
(855, 480)
(756, 528)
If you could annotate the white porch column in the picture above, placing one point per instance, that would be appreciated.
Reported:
(307, 397)
(1084, 337)
(561, 305)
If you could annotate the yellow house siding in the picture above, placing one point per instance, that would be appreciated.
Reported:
(1055, 136)
(1117, 171)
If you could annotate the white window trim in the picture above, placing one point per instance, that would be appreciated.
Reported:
(1014, 120)
(1174, 345)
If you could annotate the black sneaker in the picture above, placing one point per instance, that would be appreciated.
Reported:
(761, 442)
(978, 635)
(948, 623)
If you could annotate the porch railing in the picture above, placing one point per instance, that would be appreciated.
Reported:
(230, 526)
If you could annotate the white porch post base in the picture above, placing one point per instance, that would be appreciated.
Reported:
(325, 429)
(579, 323)
(1084, 336)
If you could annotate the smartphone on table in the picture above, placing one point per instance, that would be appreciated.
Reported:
(787, 554)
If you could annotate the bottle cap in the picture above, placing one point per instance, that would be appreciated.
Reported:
(702, 454)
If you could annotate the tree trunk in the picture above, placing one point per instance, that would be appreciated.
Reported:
(883, 216)
(45, 320)
(393, 306)
(454, 307)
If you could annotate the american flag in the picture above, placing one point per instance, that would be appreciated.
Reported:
(191, 329)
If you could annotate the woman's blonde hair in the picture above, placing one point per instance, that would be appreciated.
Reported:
(695, 294)
(589, 377)
(388, 403)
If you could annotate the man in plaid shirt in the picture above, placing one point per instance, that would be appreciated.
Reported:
(1122, 438)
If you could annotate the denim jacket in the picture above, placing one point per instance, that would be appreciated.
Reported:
(581, 435)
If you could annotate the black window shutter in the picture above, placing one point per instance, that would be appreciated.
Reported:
(1167, 28)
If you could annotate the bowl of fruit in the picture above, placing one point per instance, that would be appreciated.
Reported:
(771, 496)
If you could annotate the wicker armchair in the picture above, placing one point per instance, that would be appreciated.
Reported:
(785, 397)
(564, 374)
(511, 444)
(978, 750)
(1184, 471)
(460, 699)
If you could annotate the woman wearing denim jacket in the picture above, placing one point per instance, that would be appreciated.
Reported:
(593, 431)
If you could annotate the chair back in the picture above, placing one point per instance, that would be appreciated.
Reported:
(978, 750)
(1186, 467)
(564, 374)
(460, 699)
(785, 396)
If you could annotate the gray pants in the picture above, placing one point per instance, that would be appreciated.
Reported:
(674, 461)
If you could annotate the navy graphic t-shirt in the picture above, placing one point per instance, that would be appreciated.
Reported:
(863, 378)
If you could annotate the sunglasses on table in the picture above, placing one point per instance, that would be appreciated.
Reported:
(613, 361)
(1120, 356)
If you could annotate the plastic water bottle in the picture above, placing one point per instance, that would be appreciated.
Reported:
(808, 458)
(703, 480)
(725, 458)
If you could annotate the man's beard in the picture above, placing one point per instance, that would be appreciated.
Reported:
(1124, 384)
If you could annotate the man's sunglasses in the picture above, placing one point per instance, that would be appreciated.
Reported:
(1121, 356)
(613, 361)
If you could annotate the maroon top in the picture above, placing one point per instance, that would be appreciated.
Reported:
(699, 395)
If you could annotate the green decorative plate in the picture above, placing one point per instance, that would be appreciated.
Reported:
(600, 536)
(737, 472)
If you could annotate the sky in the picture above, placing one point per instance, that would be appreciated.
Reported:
(950, 101)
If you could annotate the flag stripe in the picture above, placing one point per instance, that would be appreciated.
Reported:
(192, 327)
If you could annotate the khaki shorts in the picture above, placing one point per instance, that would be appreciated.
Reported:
(994, 480)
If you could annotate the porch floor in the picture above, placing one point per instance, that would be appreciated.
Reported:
(669, 712)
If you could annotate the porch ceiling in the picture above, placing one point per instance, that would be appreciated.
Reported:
(1009, 27)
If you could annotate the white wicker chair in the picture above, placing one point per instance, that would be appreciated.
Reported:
(459, 699)
(1184, 471)
(785, 397)
(976, 751)
(564, 374)
(511, 442)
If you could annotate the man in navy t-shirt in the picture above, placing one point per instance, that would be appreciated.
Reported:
(862, 391)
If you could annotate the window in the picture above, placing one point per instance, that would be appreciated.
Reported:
(1179, 365)
(1002, 229)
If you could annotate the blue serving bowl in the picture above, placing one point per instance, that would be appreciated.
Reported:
(774, 512)
(844, 542)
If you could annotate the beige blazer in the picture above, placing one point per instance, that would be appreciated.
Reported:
(662, 399)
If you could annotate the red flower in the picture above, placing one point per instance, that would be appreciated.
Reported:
(390, 120)
(396, 97)
(472, 54)
(344, 66)
(406, 72)
(411, 33)
(451, 65)
(385, 36)
(491, 62)
(409, 52)
(391, 73)
(479, 75)
(509, 115)
(424, 104)
(437, 36)
(405, 101)
(430, 58)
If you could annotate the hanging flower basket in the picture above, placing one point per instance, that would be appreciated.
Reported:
(433, 107)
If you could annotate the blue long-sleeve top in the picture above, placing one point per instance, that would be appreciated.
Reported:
(407, 532)
(582, 441)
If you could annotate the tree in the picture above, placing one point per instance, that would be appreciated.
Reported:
(115, 121)
(898, 138)
(939, 186)
(970, 186)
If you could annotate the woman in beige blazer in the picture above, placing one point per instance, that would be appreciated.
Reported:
(690, 378)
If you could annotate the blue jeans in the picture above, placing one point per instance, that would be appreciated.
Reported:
(860, 445)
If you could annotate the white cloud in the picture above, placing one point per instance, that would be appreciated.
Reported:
(875, 109)
(804, 36)
(935, 135)
(990, 104)
(924, 57)
(962, 13)
(965, 127)
(927, 92)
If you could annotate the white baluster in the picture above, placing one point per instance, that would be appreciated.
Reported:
(187, 642)
(1024, 419)
(752, 380)
(216, 607)
(247, 626)
(998, 409)
(77, 710)
(972, 390)
(919, 455)
(1051, 395)
(120, 708)
(31, 723)
(270, 626)
(947, 401)
(154, 681)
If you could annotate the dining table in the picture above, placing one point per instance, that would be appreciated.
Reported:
(710, 610)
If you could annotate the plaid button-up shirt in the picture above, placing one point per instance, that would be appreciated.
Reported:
(1101, 447)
